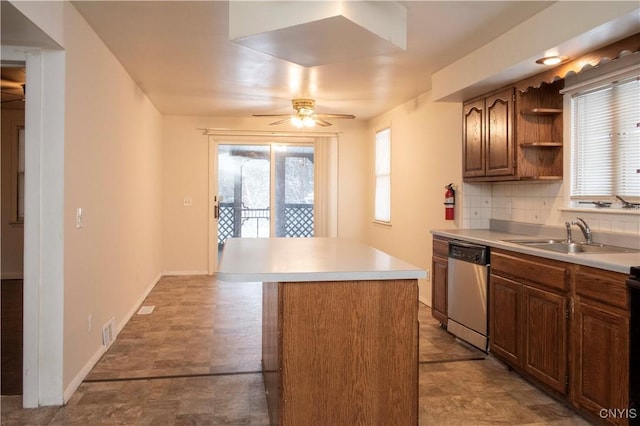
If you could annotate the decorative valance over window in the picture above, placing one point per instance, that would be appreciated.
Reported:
(612, 52)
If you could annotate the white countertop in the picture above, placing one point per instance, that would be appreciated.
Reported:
(617, 262)
(309, 259)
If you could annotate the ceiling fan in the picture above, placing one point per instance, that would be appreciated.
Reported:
(12, 96)
(12, 85)
(305, 116)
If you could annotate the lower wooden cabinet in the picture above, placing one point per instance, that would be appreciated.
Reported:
(505, 319)
(545, 337)
(528, 330)
(601, 345)
(569, 334)
(602, 359)
(440, 270)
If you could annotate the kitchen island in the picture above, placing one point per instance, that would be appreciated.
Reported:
(339, 329)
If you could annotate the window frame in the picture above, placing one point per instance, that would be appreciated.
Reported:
(581, 83)
(387, 173)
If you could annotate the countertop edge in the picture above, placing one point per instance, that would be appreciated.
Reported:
(611, 262)
(321, 277)
(310, 260)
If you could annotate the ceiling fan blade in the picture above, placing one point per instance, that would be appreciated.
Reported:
(272, 115)
(304, 112)
(321, 122)
(335, 115)
(12, 100)
(280, 121)
(10, 84)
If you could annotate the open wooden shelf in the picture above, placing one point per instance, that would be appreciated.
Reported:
(539, 133)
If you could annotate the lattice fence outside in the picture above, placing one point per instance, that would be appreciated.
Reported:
(225, 223)
(299, 220)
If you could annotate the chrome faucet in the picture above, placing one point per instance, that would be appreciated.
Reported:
(568, 225)
(586, 231)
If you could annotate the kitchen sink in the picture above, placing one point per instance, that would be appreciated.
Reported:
(564, 246)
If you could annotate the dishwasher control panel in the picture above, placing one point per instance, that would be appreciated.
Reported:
(467, 252)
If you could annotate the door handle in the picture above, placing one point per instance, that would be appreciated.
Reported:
(216, 207)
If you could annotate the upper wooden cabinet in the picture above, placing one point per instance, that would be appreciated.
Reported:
(513, 135)
(487, 143)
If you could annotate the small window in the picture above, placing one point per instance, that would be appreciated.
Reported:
(605, 158)
(383, 176)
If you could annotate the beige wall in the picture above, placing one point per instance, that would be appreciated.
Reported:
(11, 261)
(113, 172)
(425, 156)
(185, 162)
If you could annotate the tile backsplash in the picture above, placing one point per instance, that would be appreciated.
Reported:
(538, 203)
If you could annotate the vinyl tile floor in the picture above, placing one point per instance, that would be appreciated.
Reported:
(195, 360)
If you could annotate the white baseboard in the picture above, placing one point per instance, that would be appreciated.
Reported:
(77, 380)
(11, 275)
(180, 273)
(137, 305)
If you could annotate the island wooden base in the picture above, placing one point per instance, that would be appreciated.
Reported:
(341, 353)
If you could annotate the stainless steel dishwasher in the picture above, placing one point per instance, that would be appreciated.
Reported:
(467, 292)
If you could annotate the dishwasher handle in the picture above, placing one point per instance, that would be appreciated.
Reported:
(466, 244)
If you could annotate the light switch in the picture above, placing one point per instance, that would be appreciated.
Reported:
(187, 202)
(79, 217)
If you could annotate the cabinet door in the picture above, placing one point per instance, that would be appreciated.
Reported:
(439, 289)
(545, 337)
(499, 142)
(473, 159)
(505, 319)
(601, 359)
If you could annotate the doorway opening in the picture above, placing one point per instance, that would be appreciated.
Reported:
(264, 190)
(263, 185)
(12, 129)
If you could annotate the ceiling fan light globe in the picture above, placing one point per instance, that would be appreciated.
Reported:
(297, 122)
(308, 122)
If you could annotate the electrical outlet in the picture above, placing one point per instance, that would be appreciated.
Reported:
(428, 277)
(187, 202)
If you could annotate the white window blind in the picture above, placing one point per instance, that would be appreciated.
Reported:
(605, 151)
(382, 209)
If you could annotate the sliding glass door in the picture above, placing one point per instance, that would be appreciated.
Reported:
(263, 190)
(294, 191)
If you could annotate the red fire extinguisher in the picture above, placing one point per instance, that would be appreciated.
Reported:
(449, 202)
